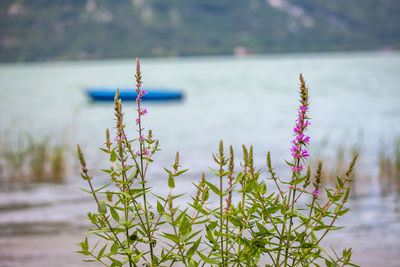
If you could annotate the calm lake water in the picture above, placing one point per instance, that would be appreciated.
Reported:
(355, 100)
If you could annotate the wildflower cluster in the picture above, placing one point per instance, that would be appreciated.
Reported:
(264, 225)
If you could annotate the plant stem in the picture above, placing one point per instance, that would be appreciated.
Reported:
(141, 171)
(177, 236)
(220, 211)
(294, 176)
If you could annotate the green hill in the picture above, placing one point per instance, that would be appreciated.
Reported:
(72, 29)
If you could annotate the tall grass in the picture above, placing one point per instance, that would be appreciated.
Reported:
(26, 160)
(389, 169)
(338, 164)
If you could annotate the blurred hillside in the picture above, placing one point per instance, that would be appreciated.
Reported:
(71, 29)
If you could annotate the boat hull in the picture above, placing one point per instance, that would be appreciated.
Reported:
(129, 94)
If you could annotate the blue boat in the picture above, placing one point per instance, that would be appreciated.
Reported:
(129, 94)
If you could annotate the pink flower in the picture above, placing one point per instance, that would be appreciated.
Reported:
(303, 109)
(143, 111)
(145, 152)
(304, 154)
(305, 140)
(315, 192)
(140, 94)
(228, 204)
(299, 153)
(298, 168)
(118, 138)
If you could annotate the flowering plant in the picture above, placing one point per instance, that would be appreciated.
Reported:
(278, 226)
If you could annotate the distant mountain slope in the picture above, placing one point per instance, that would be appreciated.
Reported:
(70, 29)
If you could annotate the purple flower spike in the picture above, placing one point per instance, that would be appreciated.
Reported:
(300, 140)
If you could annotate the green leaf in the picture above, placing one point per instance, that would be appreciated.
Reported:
(116, 263)
(339, 181)
(330, 263)
(101, 188)
(102, 208)
(237, 223)
(113, 156)
(192, 263)
(298, 180)
(214, 188)
(87, 253)
(334, 228)
(273, 210)
(320, 227)
(168, 171)
(290, 164)
(216, 173)
(342, 212)
(207, 259)
(137, 257)
(313, 237)
(85, 177)
(180, 172)
(193, 249)
(171, 182)
(160, 208)
(114, 248)
(100, 255)
(262, 229)
(105, 150)
(168, 218)
(184, 226)
(171, 237)
(106, 171)
(85, 244)
(114, 214)
(85, 190)
(212, 225)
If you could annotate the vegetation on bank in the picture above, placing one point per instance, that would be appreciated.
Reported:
(46, 30)
(248, 217)
(27, 160)
(389, 169)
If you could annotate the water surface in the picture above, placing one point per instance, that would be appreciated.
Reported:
(354, 100)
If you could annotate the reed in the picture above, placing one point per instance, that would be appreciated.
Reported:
(27, 160)
(250, 223)
(58, 168)
(337, 165)
(389, 169)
